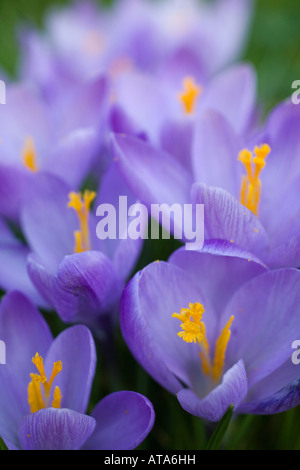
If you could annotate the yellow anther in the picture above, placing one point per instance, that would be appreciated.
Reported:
(194, 331)
(81, 204)
(251, 184)
(39, 397)
(29, 155)
(190, 94)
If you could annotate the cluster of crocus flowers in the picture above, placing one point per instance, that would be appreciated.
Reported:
(138, 101)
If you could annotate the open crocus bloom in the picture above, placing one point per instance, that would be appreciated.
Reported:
(63, 140)
(216, 328)
(45, 387)
(249, 185)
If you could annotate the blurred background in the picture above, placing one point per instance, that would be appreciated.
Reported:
(274, 50)
(273, 46)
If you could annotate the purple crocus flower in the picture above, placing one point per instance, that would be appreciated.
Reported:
(45, 387)
(78, 274)
(63, 140)
(216, 328)
(249, 184)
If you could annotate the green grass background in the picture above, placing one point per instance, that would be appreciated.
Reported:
(274, 50)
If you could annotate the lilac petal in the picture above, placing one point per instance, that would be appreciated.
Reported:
(24, 331)
(14, 275)
(266, 311)
(13, 403)
(73, 157)
(120, 122)
(75, 348)
(55, 429)
(47, 221)
(86, 286)
(184, 61)
(232, 93)
(231, 19)
(86, 107)
(232, 391)
(278, 382)
(7, 238)
(215, 153)
(124, 419)
(210, 267)
(282, 134)
(176, 139)
(145, 101)
(146, 309)
(17, 123)
(283, 400)
(285, 255)
(280, 214)
(229, 220)
(152, 175)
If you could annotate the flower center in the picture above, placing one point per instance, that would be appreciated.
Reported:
(40, 387)
(190, 94)
(193, 331)
(29, 155)
(81, 204)
(251, 184)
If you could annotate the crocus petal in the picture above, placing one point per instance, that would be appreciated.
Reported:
(14, 276)
(233, 94)
(86, 106)
(232, 391)
(55, 429)
(145, 101)
(147, 305)
(73, 157)
(210, 267)
(282, 134)
(13, 404)
(264, 307)
(285, 399)
(24, 332)
(123, 252)
(285, 255)
(14, 182)
(17, 123)
(86, 286)
(41, 278)
(215, 153)
(124, 419)
(75, 348)
(47, 221)
(280, 381)
(176, 139)
(229, 220)
(152, 175)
